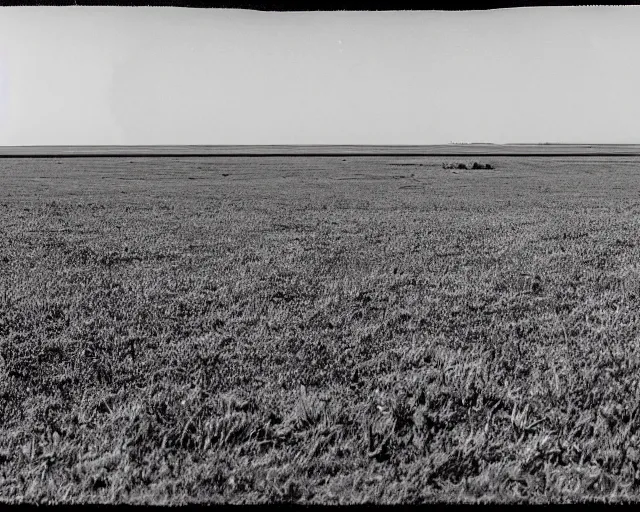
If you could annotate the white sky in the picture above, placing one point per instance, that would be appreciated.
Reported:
(118, 75)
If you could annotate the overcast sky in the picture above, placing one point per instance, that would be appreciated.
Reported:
(119, 75)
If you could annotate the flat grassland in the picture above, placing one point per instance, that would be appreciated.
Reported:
(319, 330)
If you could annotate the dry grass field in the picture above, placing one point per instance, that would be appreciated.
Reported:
(319, 330)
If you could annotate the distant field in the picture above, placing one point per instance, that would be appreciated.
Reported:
(444, 149)
(319, 330)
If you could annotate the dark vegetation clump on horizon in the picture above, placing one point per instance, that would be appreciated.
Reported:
(319, 331)
(464, 166)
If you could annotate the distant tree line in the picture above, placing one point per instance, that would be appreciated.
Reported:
(459, 165)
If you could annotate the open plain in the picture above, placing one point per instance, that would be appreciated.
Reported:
(319, 330)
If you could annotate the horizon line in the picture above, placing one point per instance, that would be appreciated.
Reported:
(326, 145)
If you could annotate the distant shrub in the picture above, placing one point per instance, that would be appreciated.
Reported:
(477, 165)
(459, 165)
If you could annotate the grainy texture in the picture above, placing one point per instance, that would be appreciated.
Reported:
(327, 330)
(325, 149)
